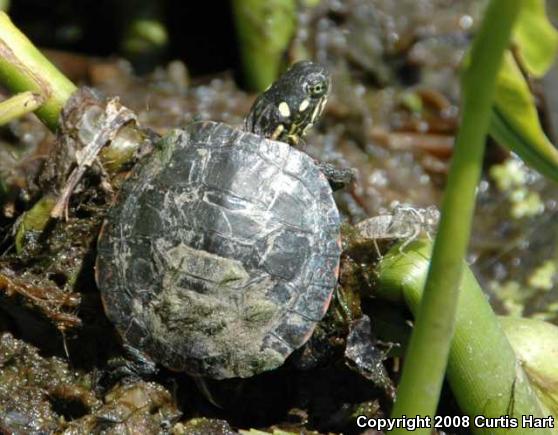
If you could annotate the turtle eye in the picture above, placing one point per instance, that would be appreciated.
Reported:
(317, 89)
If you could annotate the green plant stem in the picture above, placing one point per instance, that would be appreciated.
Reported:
(426, 360)
(264, 30)
(24, 68)
(145, 37)
(19, 105)
(483, 372)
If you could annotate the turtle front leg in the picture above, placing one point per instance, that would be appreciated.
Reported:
(132, 366)
(338, 177)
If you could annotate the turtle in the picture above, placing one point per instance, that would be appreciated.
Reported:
(222, 249)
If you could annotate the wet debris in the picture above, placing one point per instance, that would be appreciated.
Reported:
(363, 355)
(53, 268)
(43, 395)
(87, 125)
(112, 120)
(51, 301)
(142, 408)
(37, 395)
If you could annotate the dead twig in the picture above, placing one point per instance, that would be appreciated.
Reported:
(115, 117)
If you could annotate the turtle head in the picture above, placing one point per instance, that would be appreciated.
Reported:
(291, 105)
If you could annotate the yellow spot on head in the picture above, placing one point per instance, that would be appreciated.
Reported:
(278, 130)
(284, 109)
(303, 106)
(318, 110)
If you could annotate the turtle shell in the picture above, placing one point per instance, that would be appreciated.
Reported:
(221, 253)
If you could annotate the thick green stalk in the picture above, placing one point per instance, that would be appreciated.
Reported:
(145, 37)
(24, 68)
(426, 360)
(19, 105)
(484, 374)
(264, 30)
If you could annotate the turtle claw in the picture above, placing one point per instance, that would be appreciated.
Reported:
(203, 388)
(133, 366)
(338, 178)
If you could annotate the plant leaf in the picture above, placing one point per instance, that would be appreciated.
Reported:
(535, 37)
(515, 122)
